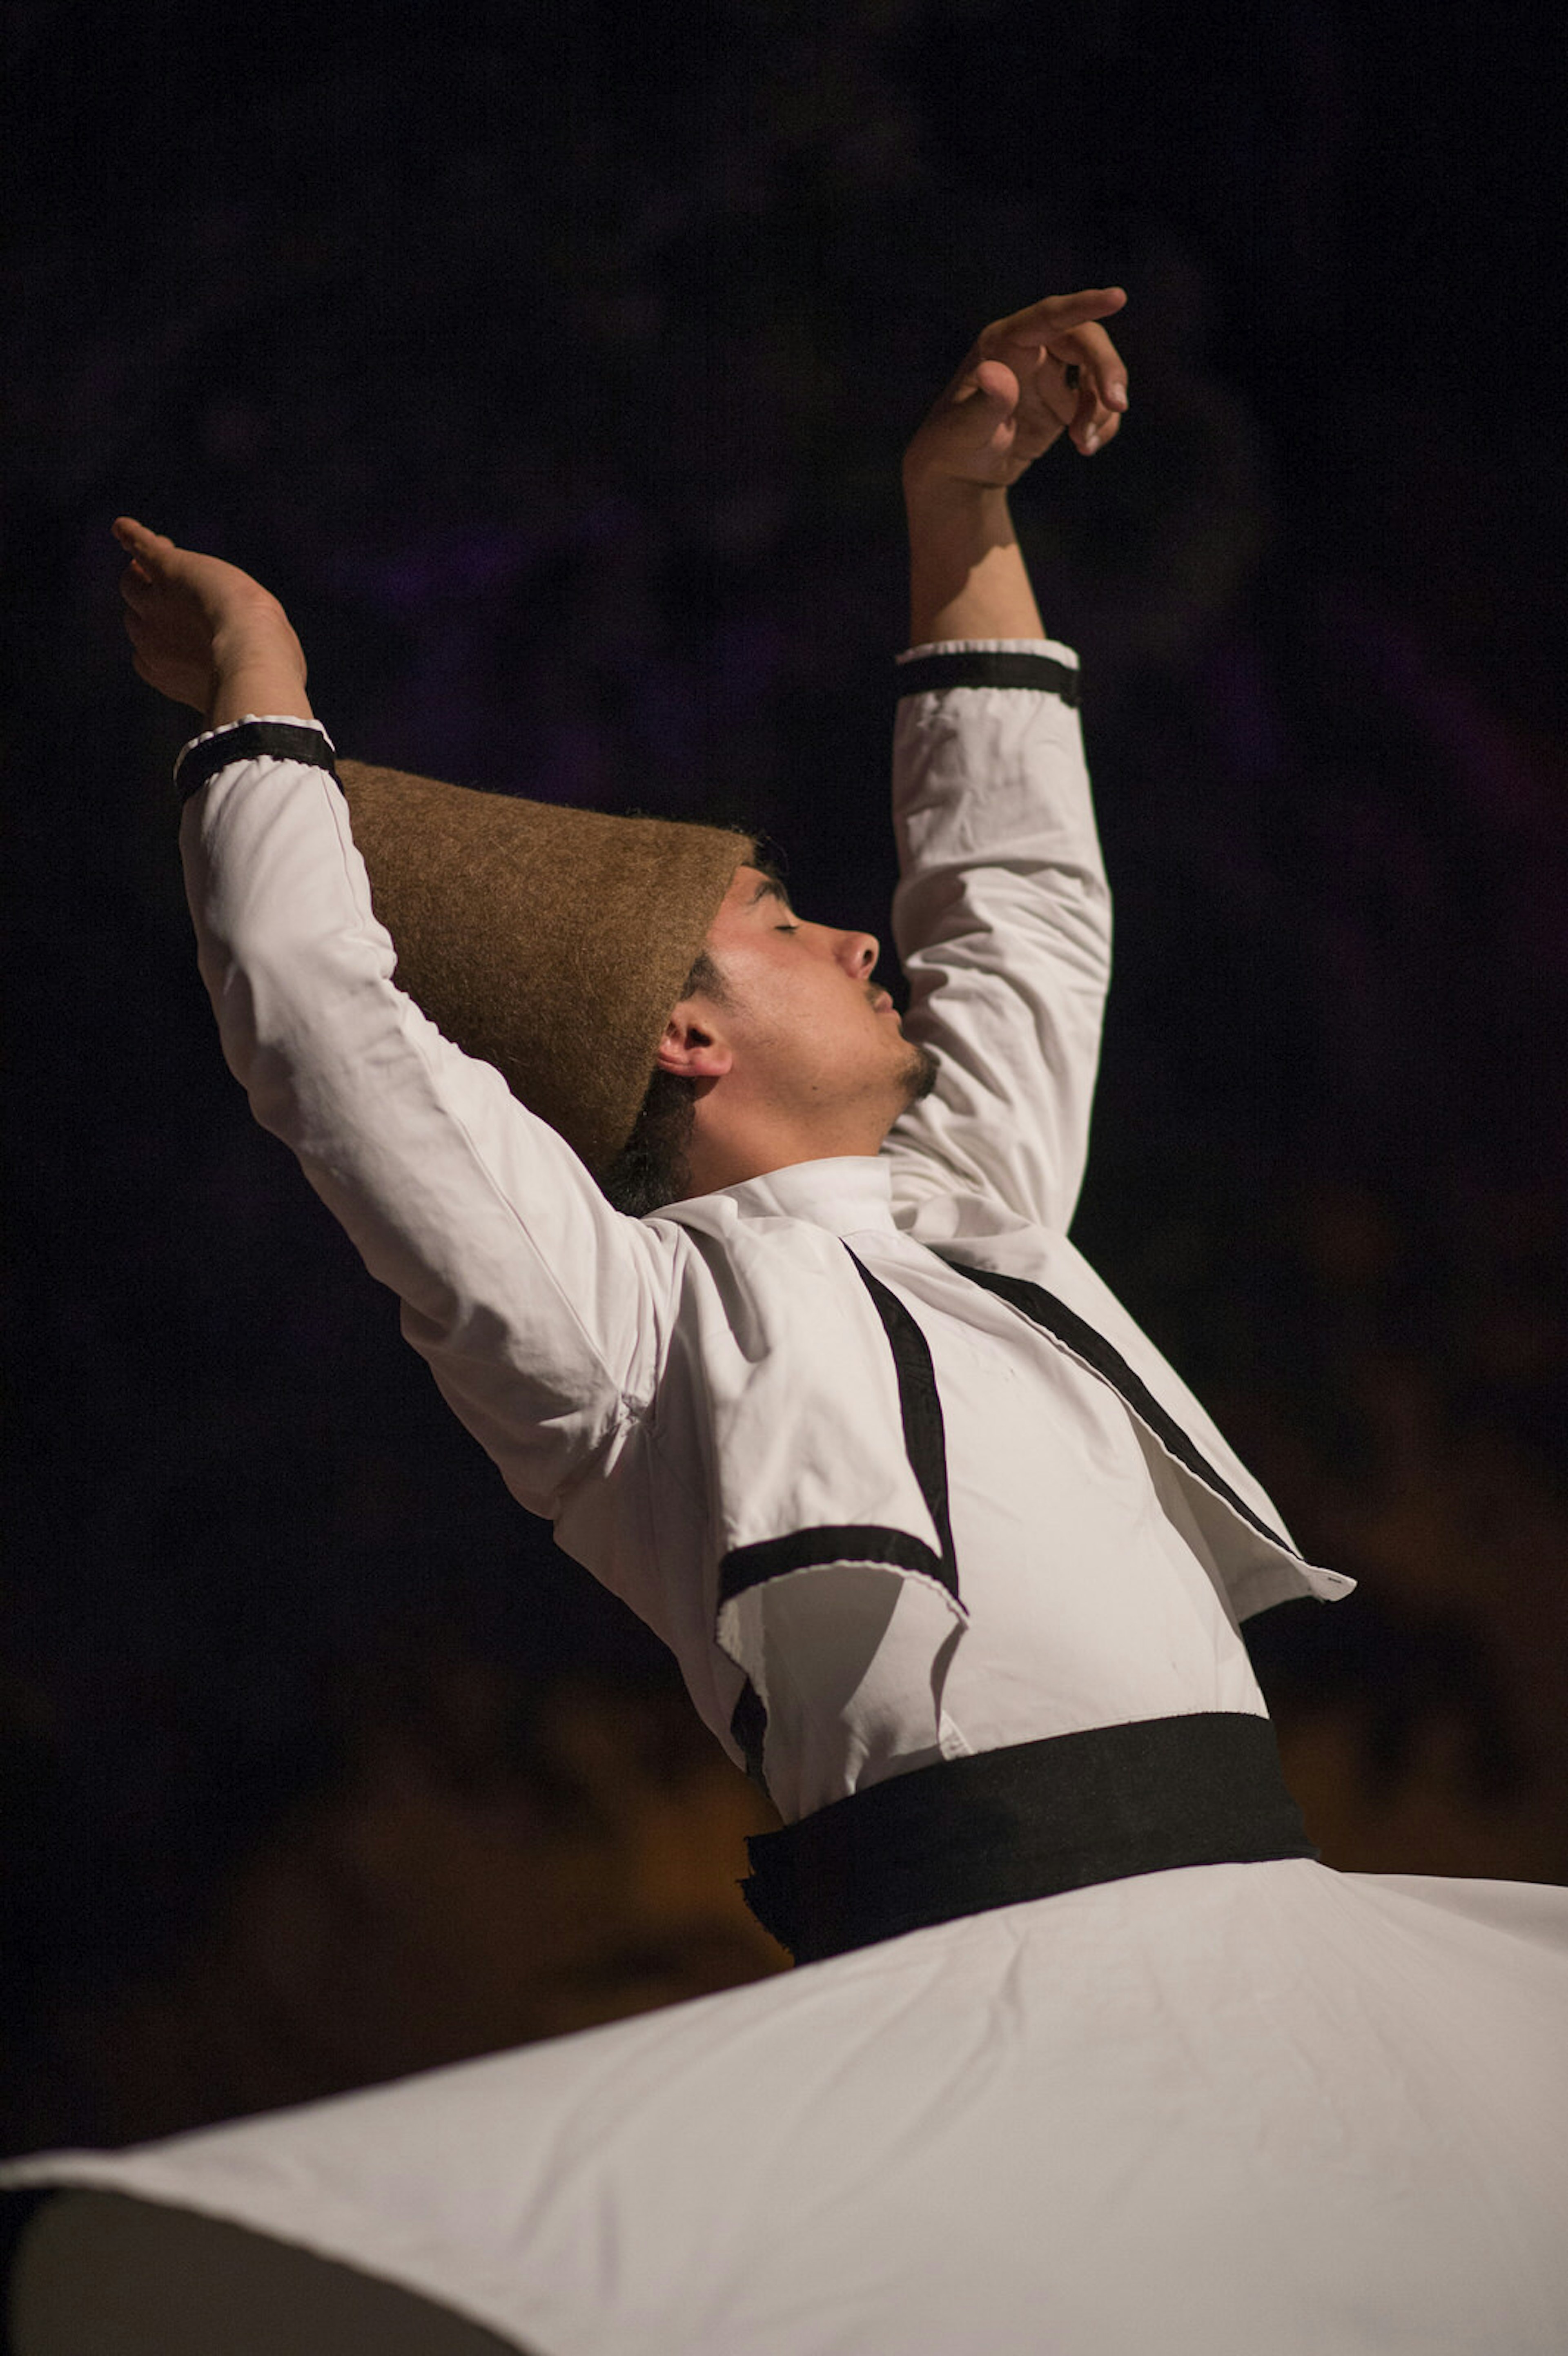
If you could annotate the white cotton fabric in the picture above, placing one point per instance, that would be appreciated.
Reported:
(1091, 1592)
(1215, 2111)
(1219, 2110)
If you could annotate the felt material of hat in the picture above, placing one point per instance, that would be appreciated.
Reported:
(551, 942)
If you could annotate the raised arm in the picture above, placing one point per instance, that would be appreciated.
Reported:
(536, 1304)
(1002, 917)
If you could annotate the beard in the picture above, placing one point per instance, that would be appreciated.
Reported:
(917, 1076)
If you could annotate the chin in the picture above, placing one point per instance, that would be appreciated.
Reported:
(918, 1076)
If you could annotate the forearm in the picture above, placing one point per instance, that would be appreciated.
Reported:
(967, 576)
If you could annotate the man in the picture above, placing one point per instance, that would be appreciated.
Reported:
(1092, 2055)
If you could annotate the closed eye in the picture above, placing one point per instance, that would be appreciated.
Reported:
(771, 888)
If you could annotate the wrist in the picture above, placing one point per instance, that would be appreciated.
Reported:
(258, 665)
(928, 492)
(256, 631)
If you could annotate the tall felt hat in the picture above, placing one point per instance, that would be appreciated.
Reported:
(552, 943)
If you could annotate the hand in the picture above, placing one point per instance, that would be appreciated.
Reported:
(1046, 370)
(203, 632)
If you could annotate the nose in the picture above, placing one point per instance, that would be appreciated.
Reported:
(857, 954)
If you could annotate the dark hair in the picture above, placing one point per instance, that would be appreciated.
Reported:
(653, 1166)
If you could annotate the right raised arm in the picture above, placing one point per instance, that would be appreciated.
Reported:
(1002, 915)
(537, 1305)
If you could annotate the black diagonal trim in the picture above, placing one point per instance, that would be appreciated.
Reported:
(925, 1438)
(749, 1566)
(280, 738)
(931, 673)
(1043, 1309)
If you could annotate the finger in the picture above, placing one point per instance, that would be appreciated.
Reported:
(1090, 363)
(1089, 415)
(1097, 356)
(1099, 428)
(1094, 422)
(1056, 314)
(138, 585)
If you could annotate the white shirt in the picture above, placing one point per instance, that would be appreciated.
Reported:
(713, 1387)
(1092, 1593)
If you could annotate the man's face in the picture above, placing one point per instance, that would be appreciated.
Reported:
(813, 1034)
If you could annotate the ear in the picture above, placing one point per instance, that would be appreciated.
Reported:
(692, 1047)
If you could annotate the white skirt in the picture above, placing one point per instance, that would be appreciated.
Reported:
(1238, 2110)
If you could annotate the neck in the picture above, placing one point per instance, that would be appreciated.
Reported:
(715, 1160)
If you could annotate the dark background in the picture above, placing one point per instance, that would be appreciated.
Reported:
(553, 367)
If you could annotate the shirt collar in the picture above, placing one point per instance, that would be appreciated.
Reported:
(847, 1193)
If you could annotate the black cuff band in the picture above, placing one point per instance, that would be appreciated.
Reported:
(977, 669)
(282, 739)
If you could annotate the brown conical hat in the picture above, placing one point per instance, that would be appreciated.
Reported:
(551, 942)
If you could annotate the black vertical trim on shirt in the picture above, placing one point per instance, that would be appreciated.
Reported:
(1043, 1309)
(972, 667)
(925, 1445)
(920, 1403)
(926, 1448)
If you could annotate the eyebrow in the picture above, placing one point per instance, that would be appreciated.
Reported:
(770, 888)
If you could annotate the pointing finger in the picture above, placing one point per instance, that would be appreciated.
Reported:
(1057, 315)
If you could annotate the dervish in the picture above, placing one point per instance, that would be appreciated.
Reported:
(762, 1292)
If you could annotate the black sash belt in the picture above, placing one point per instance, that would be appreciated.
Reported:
(1026, 1821)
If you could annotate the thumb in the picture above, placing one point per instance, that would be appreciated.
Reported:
(991, 388)
(981, 405)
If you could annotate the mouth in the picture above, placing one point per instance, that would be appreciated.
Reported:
(882, 1003)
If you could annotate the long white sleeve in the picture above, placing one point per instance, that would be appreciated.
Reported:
(538, 1307)
(1002, 919)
